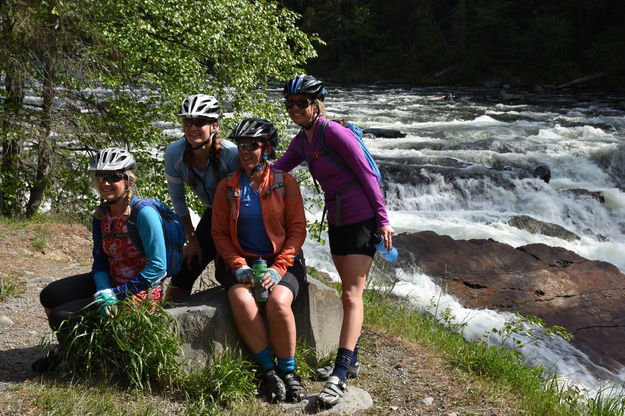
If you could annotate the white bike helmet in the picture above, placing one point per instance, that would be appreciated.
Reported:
(200, 105)
(113, 158)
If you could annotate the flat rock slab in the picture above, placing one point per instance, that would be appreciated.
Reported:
(355, 399)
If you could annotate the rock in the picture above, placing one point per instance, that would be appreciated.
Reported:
(535, 226)
(554, 284)
(206, 326)
(6, 321)
(428, 401)
(584, 193)
(386, 133)
(355, 399)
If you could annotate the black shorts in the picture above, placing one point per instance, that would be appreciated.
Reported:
(294, 278)
(354, 238)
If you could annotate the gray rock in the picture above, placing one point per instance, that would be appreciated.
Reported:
(6, 321)
(355, 399)
(206, 326)
(535, 226)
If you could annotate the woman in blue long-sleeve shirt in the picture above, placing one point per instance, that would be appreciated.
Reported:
(120, 269)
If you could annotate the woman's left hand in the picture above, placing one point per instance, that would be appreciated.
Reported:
(386, 232)
(270, 279)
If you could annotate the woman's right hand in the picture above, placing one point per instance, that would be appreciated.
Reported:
(192, 251)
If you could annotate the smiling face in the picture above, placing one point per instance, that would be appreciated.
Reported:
(198, 130)
(250, 152)
(302, 109)
(111, 184)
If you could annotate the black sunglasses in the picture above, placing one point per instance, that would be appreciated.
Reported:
(301, 103)
(197, 122)
(250, 146)
(110, 177)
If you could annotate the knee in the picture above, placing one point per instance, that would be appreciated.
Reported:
(279, 306)
(351, 298)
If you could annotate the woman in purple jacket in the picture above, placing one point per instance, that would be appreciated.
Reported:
(356, 212)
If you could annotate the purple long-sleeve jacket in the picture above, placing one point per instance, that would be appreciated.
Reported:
(359, 202)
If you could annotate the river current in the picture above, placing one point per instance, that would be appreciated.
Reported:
(465, 167)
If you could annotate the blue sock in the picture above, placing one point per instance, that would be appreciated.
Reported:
(341, 364)
(265, 359)
(286, 365)
(355, 355)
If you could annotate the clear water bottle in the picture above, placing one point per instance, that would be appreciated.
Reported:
(260, 268)
(390, 255)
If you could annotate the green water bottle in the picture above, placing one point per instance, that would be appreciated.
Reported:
(260, 268)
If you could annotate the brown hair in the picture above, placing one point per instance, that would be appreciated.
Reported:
(213, 156)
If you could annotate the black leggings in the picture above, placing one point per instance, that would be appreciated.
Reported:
(68, 297)
(188, 275)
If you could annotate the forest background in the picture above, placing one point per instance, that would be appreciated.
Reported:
(79, 76)
(467, 41)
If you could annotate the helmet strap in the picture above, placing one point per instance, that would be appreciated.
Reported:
(312, 123)
(199, 146)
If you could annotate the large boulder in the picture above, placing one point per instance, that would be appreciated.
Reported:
(557, 285)
(206, 326)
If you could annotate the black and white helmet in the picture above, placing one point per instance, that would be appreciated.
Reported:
(113, 158)
(304, 84)
(257, 128)
(200, 105)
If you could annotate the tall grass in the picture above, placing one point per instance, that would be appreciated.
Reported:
(136, 345)
(538, 393)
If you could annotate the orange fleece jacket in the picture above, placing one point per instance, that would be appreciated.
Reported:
(283, 217)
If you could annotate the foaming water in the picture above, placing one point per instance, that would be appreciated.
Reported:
(465, 167)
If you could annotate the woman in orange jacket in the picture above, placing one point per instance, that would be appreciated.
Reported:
(258, 212)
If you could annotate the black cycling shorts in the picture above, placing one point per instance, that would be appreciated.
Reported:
(294, 278)
(354, 238)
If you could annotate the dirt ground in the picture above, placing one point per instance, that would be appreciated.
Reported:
(402, 377)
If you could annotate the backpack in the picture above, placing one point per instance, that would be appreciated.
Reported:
(173, 231)
(338, 161)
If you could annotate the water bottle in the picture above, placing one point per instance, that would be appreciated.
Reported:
(260, 268)
(390, 255)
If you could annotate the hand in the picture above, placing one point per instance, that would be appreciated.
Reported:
(105, 298)
(244, 275)
(386, 232)
(192, 251)
(270, 279)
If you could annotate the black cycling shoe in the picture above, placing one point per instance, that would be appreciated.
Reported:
(324, 373)
(295, 392)
(331, 393)
(273, 386)
(48, 362)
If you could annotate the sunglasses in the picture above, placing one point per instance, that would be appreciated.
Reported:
(250, 146)
(197, 122)
(110, 177)
(301, 103)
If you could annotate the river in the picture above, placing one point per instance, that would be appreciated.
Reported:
(470, 154)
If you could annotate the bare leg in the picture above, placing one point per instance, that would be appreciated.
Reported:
(248, 319)
(353, 270)
(281, 322)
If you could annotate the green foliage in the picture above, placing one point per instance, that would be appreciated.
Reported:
(9, 287)
(136, 346)
(413, 40)
(227, 380)
(114, 72)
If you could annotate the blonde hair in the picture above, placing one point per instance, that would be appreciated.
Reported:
(321, 107)
(100, 212)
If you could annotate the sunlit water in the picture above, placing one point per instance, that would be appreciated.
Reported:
(473, 156)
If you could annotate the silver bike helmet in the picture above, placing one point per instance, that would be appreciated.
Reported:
(304, 84)
(200, 105)
(256, 128)
(113, 158)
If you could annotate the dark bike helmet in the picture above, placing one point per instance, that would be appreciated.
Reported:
(113, 158)
(256, 128)
(304, 84)
(200, 105)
